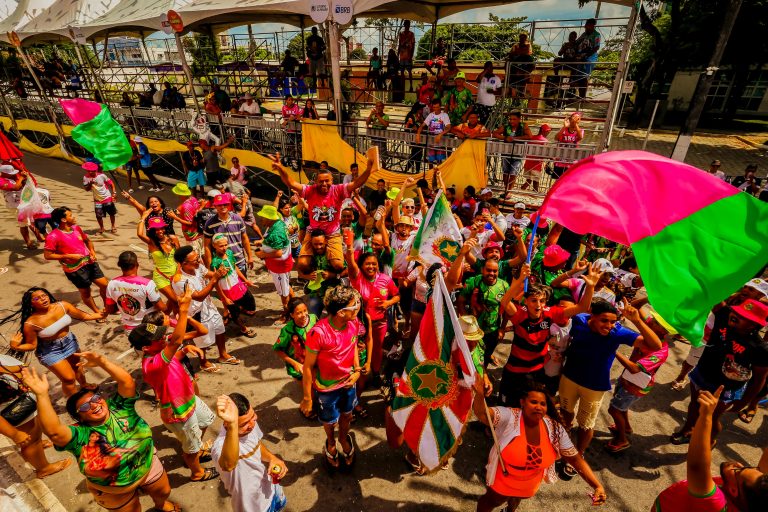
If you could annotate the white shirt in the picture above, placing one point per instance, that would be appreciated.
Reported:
(249, 483)
(500, 221)
(483, 96)
(209, 315)
(101, 192)
(347, 179)
(402, 248)
(134, 296)
(253, 108)
(483, 238)
(523, 221)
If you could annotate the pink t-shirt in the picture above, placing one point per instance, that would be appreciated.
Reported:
(173, 387)
(382, 287)
(677, 498)
(325, 210)
(72, 242)
(335, 353)
(187, 211)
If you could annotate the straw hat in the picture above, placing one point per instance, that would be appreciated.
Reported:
(470, 328)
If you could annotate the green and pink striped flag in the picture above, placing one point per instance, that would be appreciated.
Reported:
(696, 238)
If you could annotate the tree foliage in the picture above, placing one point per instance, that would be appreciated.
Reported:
(204, 52)
(480, 42)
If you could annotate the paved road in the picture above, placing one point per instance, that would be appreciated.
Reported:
(380, 481)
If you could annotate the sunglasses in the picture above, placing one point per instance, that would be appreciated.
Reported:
(87, 404)
(354, 307)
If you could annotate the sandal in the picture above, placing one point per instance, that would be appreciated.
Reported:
(613, 448)
(747, 415)
(230, 360)
(211, 369)
(331, 458)
(176, 508)
(360, 413)
(349, 458)
(249, 333)
(678, 385)
(416, 465)
(209, 474)
(101, 321)
(205, 456)
(567, 472)
(679, 438)
(613, 429)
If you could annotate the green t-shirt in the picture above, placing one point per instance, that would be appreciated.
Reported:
(291, 342)
(489, 297)
(300, 216)
(505, 270)
(478, 355)
(290, 223)
(376, 125)
(319, 263)
(228, 260)
(457, 103)
(117, 453)
(544, 276)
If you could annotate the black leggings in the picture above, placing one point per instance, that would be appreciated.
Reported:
(245, 303)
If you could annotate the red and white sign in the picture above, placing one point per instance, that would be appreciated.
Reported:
(175, 21)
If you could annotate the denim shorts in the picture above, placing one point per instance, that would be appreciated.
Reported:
(51, 352)
(622, 399)
(334, 403)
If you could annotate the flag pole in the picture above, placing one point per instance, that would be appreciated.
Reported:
(530, 246)
(495, 439)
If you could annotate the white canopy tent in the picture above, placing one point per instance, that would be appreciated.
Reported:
(54, 21)
(17, 13)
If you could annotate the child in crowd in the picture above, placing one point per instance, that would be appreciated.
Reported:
(233, 287)
(103, 190)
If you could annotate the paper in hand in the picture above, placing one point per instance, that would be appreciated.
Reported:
(373, 154)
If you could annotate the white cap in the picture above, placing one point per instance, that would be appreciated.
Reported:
(8, 169)
(519, 205)
(137, 138)
(213, 193)
(759, 285)
(603, 265)
(486, 191)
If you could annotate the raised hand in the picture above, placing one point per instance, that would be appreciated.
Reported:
(226, 410)
(90, 359)
(468, 246)
(592, 276)
(580, 266)
(708, 401)
(631, 312)
(37, 383)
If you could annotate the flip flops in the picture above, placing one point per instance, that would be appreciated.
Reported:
(747, 416)
(349, 458)
(613, 430)
(208, 474)
(230, 360)
(211, 369)
(248, 333)
(679, 438)
(614, 448)
(331, 458)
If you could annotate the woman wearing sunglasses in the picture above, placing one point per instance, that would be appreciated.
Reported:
(111, 442)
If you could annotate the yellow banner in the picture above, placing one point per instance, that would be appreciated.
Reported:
(321, 141)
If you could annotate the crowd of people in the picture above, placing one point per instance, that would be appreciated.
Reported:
(564, 302)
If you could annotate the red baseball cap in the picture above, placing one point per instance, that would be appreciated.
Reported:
(490, 245)
(543, 224)
(555, 255)
(753, 311)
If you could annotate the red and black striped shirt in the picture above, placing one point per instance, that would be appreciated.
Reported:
(529, 348)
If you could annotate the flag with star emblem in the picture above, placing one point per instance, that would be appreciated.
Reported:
(438, 239)
(434, 393)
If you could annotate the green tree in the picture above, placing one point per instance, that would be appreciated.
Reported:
(204, 52)
(481, 42)
(358, 54)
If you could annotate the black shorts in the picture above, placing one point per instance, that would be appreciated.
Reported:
(245, 303)
(513, 384)
(102, 210)
(83, 277)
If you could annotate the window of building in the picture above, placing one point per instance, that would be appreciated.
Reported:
(754, 92)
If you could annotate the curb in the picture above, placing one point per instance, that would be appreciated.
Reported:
(750, 143)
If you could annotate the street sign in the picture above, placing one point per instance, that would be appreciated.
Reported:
(628, 87)
(175, 21)
(342, 11)
(319, 10)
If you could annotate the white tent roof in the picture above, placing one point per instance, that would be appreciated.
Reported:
(121, 17)
(17, 13)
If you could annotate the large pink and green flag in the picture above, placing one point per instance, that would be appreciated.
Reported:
(434, 393)
(98, 132)
(696, 238)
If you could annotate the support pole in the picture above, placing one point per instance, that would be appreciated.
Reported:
(618, 83)
(705, 82)
(333, 43)
(185, 67)
(8, 110)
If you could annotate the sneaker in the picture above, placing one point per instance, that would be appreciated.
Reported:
(130, 191)
(159, 189)
(152, 189)
(141, 187)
